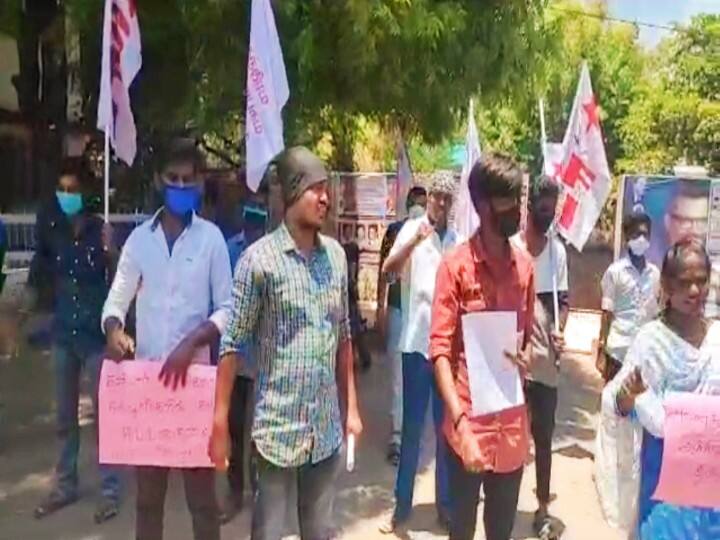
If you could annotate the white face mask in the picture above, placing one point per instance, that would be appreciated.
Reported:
(638, 246)
(416, 211)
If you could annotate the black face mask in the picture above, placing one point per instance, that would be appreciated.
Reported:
(507, 222)
(542, 221)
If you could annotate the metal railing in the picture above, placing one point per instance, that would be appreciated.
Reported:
(21, 235)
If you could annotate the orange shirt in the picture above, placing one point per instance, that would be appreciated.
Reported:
(469, 281)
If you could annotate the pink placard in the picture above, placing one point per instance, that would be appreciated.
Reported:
(144, 423)
(690, 473)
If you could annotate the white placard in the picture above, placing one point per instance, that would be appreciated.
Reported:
(581, 329)
(495, 383)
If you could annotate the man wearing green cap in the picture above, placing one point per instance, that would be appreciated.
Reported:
(290, 295)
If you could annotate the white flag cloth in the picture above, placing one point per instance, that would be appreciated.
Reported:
(466, 218)
(267, 93)
(404, 179)
(585, 173)
(553, 161)
(121, 61)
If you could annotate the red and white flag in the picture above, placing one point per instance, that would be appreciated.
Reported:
(121, 62)
(267, 93)
(585, 172)
(466, 218)
(404, 179)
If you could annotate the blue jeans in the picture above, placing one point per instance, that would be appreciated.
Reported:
(418, 386)
(394, 360)
(69, 364)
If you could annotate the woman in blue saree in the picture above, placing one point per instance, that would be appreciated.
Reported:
(679, 352)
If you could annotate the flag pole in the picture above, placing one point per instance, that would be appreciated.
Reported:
(543, 135)
(551, 239)
(106, 176)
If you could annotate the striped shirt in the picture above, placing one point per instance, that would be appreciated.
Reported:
(296, 309)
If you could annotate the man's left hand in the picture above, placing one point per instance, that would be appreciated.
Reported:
(520, 359)
(353, 424)
(174, 371)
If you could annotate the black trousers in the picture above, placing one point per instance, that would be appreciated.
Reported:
(199, 493)
(542, 401)
(501, 500)
(240, 425)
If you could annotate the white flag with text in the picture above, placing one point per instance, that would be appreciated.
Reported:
(267, 93)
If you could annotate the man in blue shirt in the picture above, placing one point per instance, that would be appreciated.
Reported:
(74, 256)
(254, 226)
(254, 219)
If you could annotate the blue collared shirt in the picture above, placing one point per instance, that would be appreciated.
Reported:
(75, 267)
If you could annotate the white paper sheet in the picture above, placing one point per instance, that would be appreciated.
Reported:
(495, 383)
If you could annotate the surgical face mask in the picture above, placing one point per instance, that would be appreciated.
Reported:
(639, 246)
(542, 220)
(255, 218)
(70, 203)
(507, 221)
(182, 200)
(416, 211)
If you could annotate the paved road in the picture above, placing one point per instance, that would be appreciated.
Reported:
(27, 452)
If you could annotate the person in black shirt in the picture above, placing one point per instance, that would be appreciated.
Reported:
(389, 317)
(360, 350)
(73, 259)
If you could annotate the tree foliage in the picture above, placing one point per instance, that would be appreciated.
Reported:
(615, 61)
(362, 71)
(676, 116)
(408, 65)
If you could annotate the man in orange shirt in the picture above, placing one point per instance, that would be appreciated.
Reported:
(486, 273)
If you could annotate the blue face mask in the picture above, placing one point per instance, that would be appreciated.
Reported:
(70, 203)
(182, 200)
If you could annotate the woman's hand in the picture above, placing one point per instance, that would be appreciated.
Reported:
(631, 388)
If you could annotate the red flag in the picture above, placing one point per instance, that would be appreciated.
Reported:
(585, 172)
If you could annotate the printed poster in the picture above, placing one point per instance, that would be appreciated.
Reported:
(364, 205)
(678, 207)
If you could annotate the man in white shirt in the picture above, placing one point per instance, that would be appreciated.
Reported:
(541, 389)
(176, 266)
(415, 257)
(630, 291)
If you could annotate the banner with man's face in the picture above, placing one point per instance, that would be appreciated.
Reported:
(677, 208)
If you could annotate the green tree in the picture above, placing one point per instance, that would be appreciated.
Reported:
(576, 33)
(407, 65)
(676, 116)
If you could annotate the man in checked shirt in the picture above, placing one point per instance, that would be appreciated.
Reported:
(290, 295)
(486, 273)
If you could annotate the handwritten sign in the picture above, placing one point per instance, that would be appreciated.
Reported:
(144, 423)
(690, 473)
